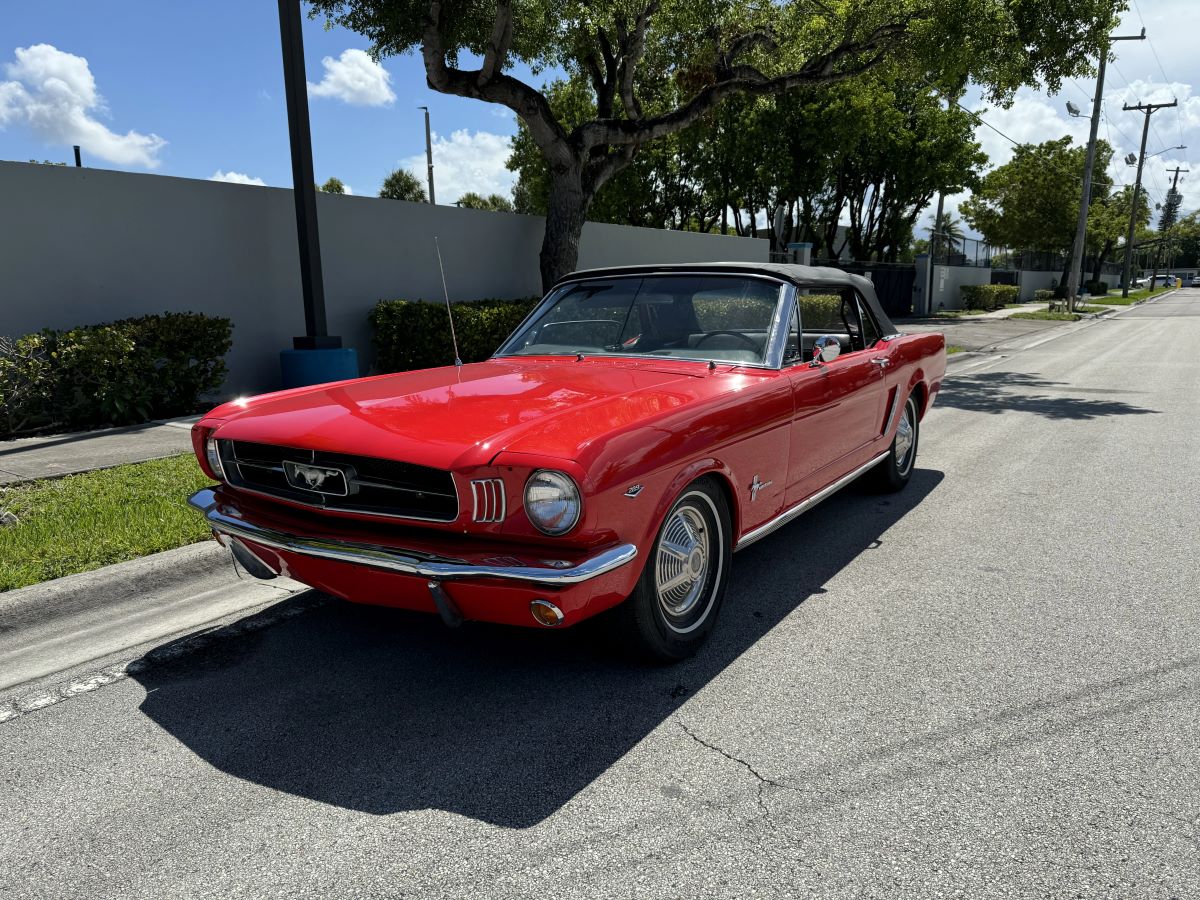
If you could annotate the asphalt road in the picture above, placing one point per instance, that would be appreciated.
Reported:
(988, 685)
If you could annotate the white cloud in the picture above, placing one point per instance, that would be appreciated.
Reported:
(55, 94)
(1032, 119)
(236, 178)
(465, 162)
(354, 78)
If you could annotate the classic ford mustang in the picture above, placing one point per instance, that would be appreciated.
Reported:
(641, 425)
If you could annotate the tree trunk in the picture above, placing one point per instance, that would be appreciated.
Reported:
(565, 211)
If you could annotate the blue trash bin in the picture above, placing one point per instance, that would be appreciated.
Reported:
(300, 368)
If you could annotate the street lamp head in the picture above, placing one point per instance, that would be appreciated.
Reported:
(1072, 109)
(1130, 159)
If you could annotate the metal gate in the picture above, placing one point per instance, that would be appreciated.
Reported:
(893, 282)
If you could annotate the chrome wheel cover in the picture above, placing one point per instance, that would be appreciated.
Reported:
(906, 434)
(685, 582)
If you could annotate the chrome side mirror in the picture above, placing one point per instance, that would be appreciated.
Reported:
(826, 349)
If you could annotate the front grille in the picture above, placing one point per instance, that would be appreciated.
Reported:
(362, 484)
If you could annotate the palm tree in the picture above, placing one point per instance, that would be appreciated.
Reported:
(950, 230)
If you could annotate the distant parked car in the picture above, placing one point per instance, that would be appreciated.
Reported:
(1196, 280)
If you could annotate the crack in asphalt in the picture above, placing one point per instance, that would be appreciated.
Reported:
(763, 780)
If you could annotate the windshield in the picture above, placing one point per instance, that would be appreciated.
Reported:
(706, 317)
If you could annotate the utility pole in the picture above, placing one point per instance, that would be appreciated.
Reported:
(1076, 274)
(1148, 109)
(933, 253)
(428, 152)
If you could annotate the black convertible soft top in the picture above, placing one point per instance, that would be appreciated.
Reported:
(800, 276)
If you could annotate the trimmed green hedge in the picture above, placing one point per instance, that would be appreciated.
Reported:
(116, 373)
(1099, 288)
(1043, 296)
(416, 335)
(988, 296)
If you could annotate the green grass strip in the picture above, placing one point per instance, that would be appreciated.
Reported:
(1047, 316)
(81, 522)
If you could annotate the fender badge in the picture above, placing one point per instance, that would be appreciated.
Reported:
(756, 486)
(634, 490)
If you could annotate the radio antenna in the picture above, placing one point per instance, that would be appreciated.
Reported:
(446, 294)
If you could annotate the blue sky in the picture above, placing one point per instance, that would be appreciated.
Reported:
(207, 79)
(196, 89)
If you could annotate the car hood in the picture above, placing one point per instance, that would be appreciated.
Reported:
(462, 416)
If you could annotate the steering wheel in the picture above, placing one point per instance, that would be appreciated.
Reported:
(737, 334)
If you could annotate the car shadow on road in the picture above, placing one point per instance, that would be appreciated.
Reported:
(382, 711)
(1001, 392)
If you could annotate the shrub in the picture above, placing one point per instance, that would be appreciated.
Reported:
(1043, 296)
(117, 373)
(988, 296)
(1099, 288)
(416, 335)
(819, 310)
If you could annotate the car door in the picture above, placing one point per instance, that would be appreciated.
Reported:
(837, 406)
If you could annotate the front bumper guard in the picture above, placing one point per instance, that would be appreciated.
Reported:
(408, 562)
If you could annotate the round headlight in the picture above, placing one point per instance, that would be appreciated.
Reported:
(552, 501)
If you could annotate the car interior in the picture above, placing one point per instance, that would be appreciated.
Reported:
(693, 317)
(843, 315)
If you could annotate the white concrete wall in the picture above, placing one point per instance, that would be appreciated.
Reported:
(82, 246)
(1035, 281)
(947, 280)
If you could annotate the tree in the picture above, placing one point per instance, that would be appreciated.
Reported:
(1188, 233)
(491, 203)
(949, 230)
(403, 185)
(1032, 201)
(1108, 223)
(689, 56)
(333, 186)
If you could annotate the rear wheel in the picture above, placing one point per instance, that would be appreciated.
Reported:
(675, 603)
(894, 472)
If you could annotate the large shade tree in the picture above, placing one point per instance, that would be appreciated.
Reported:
(1032, 201)
(706, 51)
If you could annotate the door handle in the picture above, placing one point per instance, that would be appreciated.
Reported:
(882, 361)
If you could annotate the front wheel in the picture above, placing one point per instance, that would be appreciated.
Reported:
(894, 472)
(675, 603)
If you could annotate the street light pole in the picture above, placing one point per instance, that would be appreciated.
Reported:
(304, 190)
(1075, 277)
(429, 153)
(1148, 109)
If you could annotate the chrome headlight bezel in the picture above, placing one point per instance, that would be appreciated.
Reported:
(212, 454)
(560, 522)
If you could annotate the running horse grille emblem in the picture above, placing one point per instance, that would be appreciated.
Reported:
(318, 479)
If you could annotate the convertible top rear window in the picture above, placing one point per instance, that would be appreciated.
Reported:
(705, 317)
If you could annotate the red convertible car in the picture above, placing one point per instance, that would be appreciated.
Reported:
(641, 426)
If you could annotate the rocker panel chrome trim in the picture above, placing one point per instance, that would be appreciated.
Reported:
(804, 505)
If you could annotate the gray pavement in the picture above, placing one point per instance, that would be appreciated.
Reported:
(63, 454)
(987, 685)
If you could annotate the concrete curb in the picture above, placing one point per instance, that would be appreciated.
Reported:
(72, 594)
(61, 624)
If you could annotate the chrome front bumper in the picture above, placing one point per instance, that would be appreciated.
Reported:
(225, 520)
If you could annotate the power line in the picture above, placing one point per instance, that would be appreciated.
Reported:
(1161, 70)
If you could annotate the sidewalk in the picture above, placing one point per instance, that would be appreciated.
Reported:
(64, 454)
